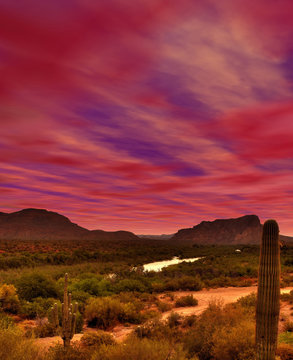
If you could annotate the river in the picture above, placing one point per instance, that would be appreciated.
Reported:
(159, 265)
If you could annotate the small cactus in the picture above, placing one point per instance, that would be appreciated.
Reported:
(68, 320)
(268, 295)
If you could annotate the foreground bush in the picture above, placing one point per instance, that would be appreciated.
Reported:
(136, 349)
(73, 352)
(13, 346)
(155, 330)
(285, 352)
(222, 333)
(5, 321)
(36, 285)
(97, 338)
(9, 300)
(38, 308)
(234, 343)
(104, 313)
(187, 300)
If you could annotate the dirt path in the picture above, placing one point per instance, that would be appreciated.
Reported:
(226, 295)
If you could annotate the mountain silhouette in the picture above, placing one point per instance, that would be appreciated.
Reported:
(40, 224)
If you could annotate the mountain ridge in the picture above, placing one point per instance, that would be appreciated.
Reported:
(246, 229)
(41, 224)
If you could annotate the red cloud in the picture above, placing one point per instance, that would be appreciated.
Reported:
(109, 39)
(270, 20)
(262, 133)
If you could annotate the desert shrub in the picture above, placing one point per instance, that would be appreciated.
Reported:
(38, 307)
(81, 298)
(35, 285)
(286, 338)
(189, 321)
(73, 352)
(285, 352)
(79, 322)
(93, 286)
(44, 329)
(9, 300)
(5, 321)
(14, 346)
(214, 325)
(174, 319)
(133, 298)
(107, 312)
(97, 338)
(192, 283)
(130, 285)
(163, 306)
(247, 301)
(234, 343)
(187, 300)
(155, 330)
(144, 349)
(288, 326)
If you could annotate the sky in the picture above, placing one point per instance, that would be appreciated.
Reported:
(147, 115)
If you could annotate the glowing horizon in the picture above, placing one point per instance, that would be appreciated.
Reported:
(147, 115)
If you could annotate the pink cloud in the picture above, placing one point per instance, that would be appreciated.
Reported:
(186, 111)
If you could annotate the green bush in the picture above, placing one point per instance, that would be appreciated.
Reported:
(285, 352)
(163, 306)
(174, 319)
(9, 300)
(189, 321)
(248, 301)
(92, 286)
(221, 333)
(234, 343)
(73, 352)
(187, 300)
(36, 285)
(14, 346)
(97, 338)
(155, 330)
(130, 285)
(136, 349)
(192, 283)
(107, 312)
(288, 326)
(5, 321)
(44, 329)
(37, 308)
(286, 338)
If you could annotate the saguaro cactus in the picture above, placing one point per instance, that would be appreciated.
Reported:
(68, 320)
(268, 294)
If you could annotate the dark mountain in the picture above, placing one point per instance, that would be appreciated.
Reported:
(243, 230)
(156, 237)
(39, 224)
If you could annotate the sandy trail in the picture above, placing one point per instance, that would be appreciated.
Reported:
(226, 295)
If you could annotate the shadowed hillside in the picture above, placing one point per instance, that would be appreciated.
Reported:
(39, 224)
(243, 230)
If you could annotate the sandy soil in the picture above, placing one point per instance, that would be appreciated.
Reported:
(225, 295)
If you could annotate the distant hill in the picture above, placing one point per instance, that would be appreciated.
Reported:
(156, 237)
(40, 224)
(243, 230)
